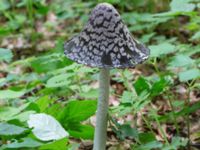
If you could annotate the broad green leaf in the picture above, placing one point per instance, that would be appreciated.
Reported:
(189, 75)
(10, 94)
(181, 61)
(55, 145)
(9, 113)
(76, 111)
(10, 129)
(43, 103)
(46, 128)
(60, 80)
(161, 49)
(5, 55)
(23, 143)
(24, 116)
(81, 131)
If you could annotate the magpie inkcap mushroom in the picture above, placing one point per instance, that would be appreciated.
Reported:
(105, 42)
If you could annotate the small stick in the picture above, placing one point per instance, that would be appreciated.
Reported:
(102, 111)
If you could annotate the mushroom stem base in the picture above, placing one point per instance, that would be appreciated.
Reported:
(102, 111)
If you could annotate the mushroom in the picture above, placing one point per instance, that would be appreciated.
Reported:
(105, 43)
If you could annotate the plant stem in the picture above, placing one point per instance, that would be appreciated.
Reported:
(187, 104)
(102, 111)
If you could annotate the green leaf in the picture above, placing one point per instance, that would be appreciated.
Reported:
(55, 145)
(46, 128)
(128, 131)
(91, 94)
(81, 131)
(49, 62)
(77, 111)
(159, 86)
(43, 103)
(59, 80)
(9, 113)
(24, 143)
(196, 36)
(184, 6)
(161, 49)
(127, 97)
(189, 75)
(179, 141)
(140, 85)
(146, 137)
(150, 146)
(4, 5)
(10, 129)
(5, 55)
(181, 61)
(9, 94)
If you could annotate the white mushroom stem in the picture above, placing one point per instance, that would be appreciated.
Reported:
(102, 111)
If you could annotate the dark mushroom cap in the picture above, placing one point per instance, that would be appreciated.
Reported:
(105, 42)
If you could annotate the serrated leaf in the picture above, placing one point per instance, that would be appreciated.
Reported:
(159, 86)
(5, 55)
(181, 61)
(10, 129)
(161, 49)
(49, 62)
(140, 85)
(196, 36)
(127, 97)
(46, 128)
(189, 75)
(59, 80)
(150, 146)
(184, 6)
